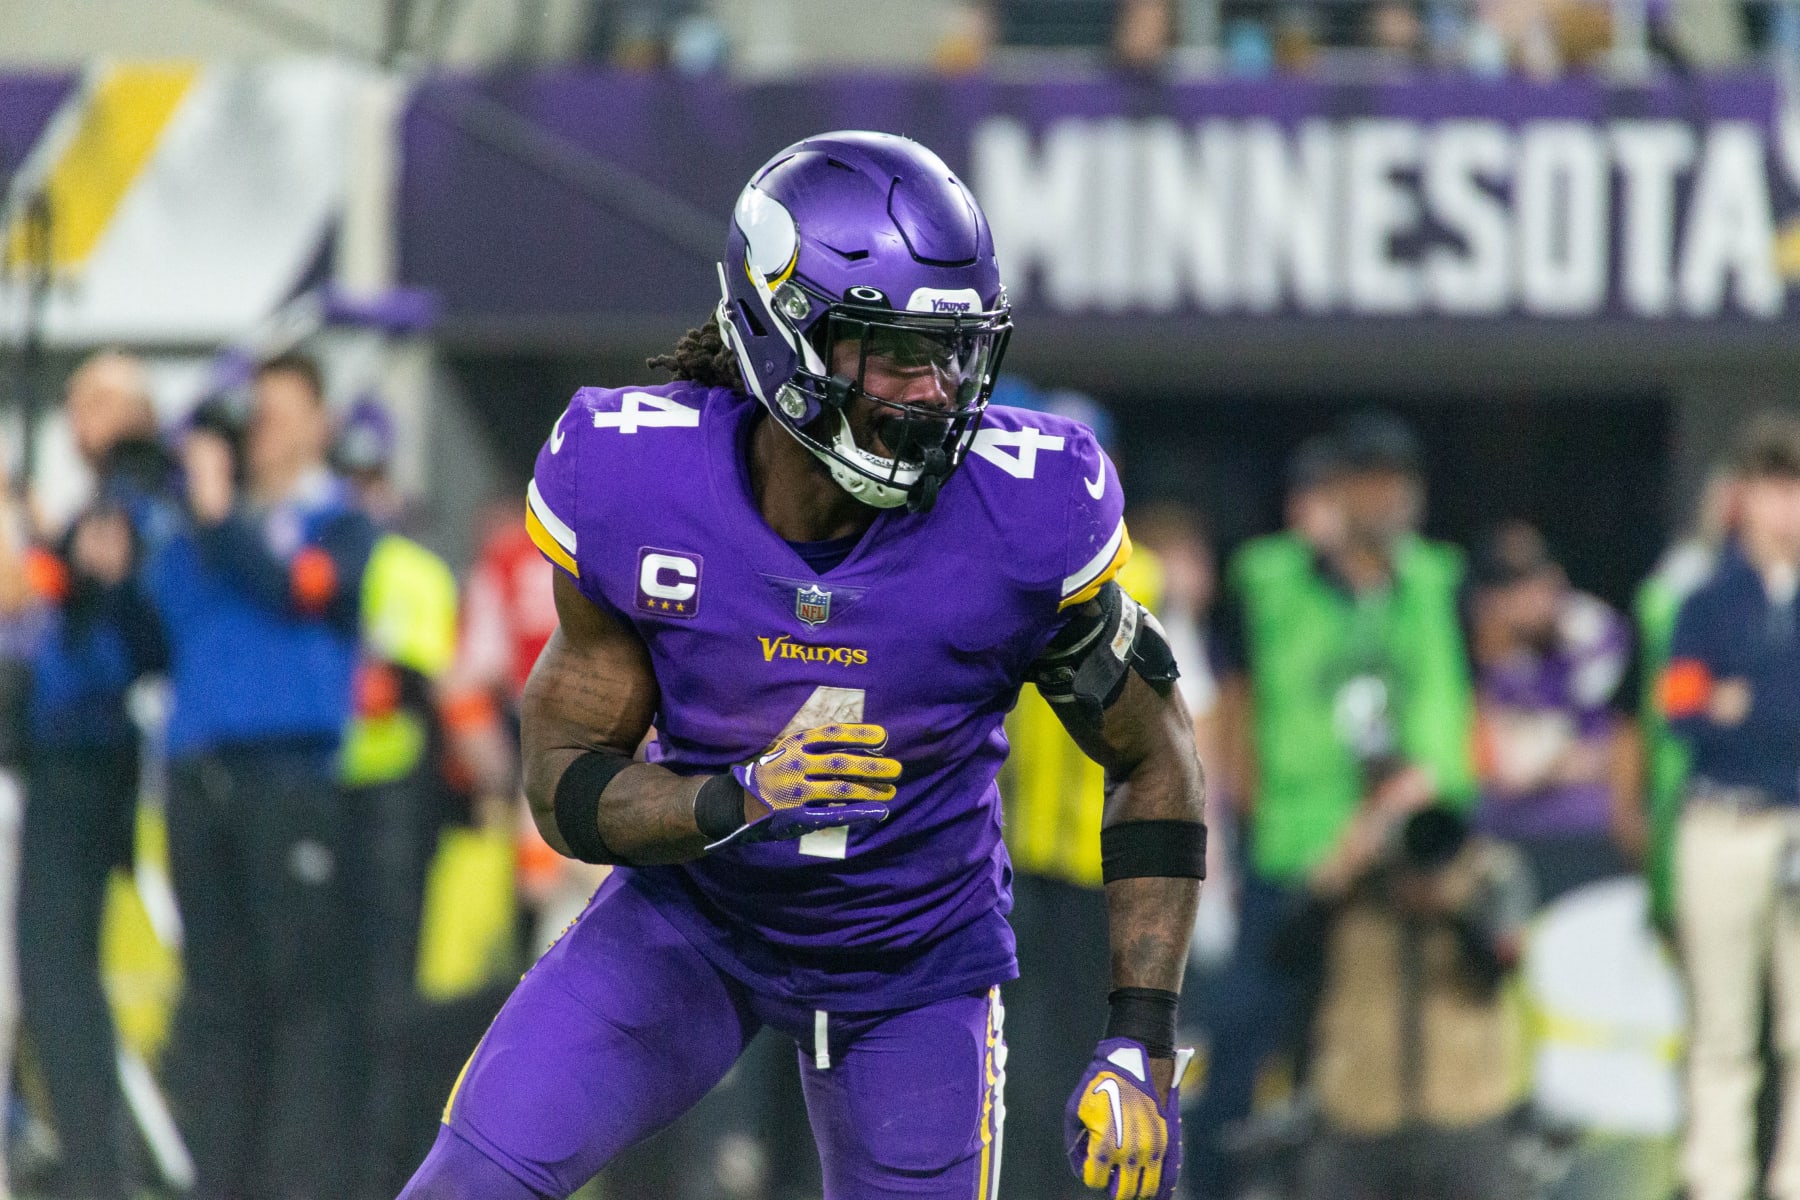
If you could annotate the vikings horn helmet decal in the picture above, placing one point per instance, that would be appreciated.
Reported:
(865, 238)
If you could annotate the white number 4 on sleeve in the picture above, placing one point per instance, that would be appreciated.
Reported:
(641, 410)
(1024, 444)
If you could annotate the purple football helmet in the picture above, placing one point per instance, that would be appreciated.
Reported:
(865, 238)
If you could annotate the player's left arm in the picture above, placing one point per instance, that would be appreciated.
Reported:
(1110, 677)
(1145, 742)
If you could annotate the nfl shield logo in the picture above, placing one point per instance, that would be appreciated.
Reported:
(812, 604)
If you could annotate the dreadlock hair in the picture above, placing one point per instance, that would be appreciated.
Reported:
(702, 356)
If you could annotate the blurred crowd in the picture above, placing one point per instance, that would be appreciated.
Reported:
(232, 669)
(1537, 38)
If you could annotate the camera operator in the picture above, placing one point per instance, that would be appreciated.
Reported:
(1407, 932)
(259, 596)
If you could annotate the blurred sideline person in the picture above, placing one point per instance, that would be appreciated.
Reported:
(1405, 939)
(1684, 566)
(258, 589)
(1732, 694)
(1552, 739)
(1347, 687)
(394, 804)
(83, 761)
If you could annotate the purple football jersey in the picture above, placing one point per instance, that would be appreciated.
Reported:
(927, 628)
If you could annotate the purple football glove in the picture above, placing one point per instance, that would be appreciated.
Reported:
(1119, 1136)
(814, 779)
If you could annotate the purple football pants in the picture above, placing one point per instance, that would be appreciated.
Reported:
(622, 1026)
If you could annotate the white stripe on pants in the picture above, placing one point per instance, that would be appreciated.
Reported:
(1736, 932)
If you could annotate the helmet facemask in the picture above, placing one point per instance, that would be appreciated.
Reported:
(924, 442)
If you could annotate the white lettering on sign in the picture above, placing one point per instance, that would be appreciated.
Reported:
(1548, 217)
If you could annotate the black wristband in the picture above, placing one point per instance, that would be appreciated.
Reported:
(1153, 850)
(577, 803)
(1145, 1015)
(719, 807)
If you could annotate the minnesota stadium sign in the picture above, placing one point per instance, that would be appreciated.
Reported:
(1393, 216)
(1435, 198)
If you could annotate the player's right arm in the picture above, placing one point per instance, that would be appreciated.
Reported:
(592, 692)
(592, 695)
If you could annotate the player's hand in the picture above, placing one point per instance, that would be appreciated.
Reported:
(1119, 1136)
(813, 779)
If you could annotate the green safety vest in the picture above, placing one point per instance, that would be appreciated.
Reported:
(1665, 758)
(409, 620)
(1329, 670)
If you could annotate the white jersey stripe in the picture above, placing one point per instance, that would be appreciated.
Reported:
(553, 524)
(1082, 578)
(999, 1020)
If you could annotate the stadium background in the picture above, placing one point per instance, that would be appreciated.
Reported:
(1573, 276)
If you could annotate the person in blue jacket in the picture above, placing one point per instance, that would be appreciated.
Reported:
(1731, 692)
(82, 751)
(257, 592)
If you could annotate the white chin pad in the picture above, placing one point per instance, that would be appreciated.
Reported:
(872, 492)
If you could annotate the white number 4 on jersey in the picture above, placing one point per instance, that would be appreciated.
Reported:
(1023, 444)
(641, 410)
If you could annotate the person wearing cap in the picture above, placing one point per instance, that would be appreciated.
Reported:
(1346, 687)
(1556, 755)
(1731, 693)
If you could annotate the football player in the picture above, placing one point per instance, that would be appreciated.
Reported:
(823, 567)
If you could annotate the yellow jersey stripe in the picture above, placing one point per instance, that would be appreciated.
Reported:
(553, 524)
(1091, 578)
(122, 117)
(551, 548)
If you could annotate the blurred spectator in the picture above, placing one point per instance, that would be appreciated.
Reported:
(1687, 564)
(1311, 508)
(1143, 34)
(1407, 933)
(259, 595)
(392, 749)
(84, 751)
(1396, 33)
(1296, 48)
(1732, 693)
(1248, 50)
(363, 453)
(1550, 662)
(1346, 686)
